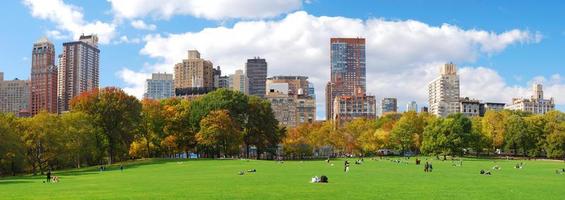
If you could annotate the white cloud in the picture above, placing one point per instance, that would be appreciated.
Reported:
(402, 56)
(70, 18)
(125, 40)
(141, 25)
(56, 35)
(135, 80)
(208, 9)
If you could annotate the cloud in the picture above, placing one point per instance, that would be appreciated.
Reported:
(69, 18)
(125, 40)
(135, 80)
(402, 56)
(207, 9)
(141, 25)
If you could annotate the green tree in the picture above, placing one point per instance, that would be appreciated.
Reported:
(478, 139)
(261, 128)
(116, 113)
(42, 139)
(517, 134)
(79, 139)
(11, 147)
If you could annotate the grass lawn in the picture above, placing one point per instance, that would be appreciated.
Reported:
(374, 179)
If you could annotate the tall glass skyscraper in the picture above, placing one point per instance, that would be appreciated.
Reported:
(348, 71)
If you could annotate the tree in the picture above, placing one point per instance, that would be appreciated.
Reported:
(477, 139)
(407, 131)
(152, 125)
(353, 130)
(447, 136)
(116, 113)
(493, 127)
(79, 139)
(555, 145)
(42, 139)
(296, 142)
(220, 133)
(11, 148)
(177, 123)
(261, 128)
(517, 134)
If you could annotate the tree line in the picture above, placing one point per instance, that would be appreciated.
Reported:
(498, 132)
(107, 125)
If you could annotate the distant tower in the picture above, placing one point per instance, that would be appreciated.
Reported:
(443, 92)
(538, 91)
(79, 67)
(256, 71)
(43, 77)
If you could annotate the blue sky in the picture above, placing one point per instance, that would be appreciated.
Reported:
(293, 35)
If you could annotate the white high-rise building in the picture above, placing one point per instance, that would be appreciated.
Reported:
(412, 106)
(160, 86)
(79, 66)
(443, 92)
(536, 104)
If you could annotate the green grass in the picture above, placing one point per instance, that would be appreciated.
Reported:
(218, 179)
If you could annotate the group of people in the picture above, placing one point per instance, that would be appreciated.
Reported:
(428, 167)
(50, 178)
(519, 165)
(248, 171)
(560, 171)
(483, 172)
(321, 179)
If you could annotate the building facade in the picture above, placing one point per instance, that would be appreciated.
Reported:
(412, 107)
(193, 76)
(389, 105)
(290, 100)
(347, 70)
(470, 107)
(256, 71)
(443, 92)
(160, 86)
(239, 82)
(224, 82)
(14, 96)
(43, 78)
(536, 104)
(350, 107)
(79, 66)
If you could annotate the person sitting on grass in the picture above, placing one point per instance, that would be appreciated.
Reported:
(252, 170)
(315, 179)
(488, 173)
(323, 179)
(482, 171)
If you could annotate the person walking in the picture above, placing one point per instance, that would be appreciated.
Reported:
(49, 176)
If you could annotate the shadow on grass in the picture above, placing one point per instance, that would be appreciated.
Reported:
(9, 182)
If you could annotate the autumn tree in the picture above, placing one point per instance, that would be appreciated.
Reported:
(177, 125)
(116, 113)
(493, 127)
(407, 131)
(220, 133)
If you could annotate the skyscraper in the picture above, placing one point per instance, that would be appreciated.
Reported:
(14, 96)
(412, 106)
(443, 92)
(194, 76)
(79, 66)
(347, 77)
(43, 77)
(346, 96)
(389, 105)
(160, 86)
(256, 71)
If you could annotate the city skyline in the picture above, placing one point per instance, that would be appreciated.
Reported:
(498, 60)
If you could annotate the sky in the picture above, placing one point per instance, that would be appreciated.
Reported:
(500, 47)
